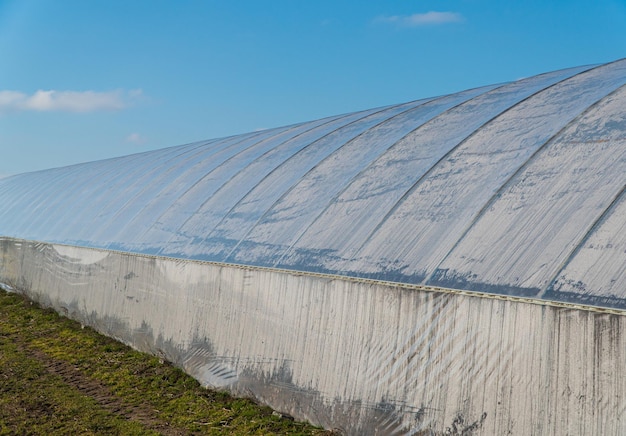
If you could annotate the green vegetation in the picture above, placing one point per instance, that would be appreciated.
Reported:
(57, 378)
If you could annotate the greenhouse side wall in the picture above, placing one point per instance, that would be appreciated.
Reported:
(362, 356)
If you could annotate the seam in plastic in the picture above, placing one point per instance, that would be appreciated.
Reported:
(386, 150)
(423, 177)
(516, 173)
(374, 282)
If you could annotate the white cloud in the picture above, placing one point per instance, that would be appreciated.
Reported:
(136, 138)
(66, 101)
(416, 20)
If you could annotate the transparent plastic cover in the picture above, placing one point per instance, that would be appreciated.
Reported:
(513, 189)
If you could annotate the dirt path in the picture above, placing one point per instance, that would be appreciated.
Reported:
(103, 395)
(100, 393)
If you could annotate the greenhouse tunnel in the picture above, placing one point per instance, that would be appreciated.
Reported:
(386, 247)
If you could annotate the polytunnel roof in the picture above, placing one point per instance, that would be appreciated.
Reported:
(513, 189)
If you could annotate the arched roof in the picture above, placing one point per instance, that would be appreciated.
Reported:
(514, 189)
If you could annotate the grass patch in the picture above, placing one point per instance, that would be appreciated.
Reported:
(59, 378)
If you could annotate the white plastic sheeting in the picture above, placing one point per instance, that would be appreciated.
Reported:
(494, 189)
(512, 190)
(365, 357)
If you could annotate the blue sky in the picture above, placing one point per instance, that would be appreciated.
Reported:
(86, 80)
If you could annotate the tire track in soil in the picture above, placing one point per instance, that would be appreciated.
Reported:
(101, 393)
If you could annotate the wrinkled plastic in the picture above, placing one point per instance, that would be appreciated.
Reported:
(496, 189)
(365, 357)
(512, 191)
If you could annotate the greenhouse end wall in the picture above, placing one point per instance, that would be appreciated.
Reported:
(362, 356)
